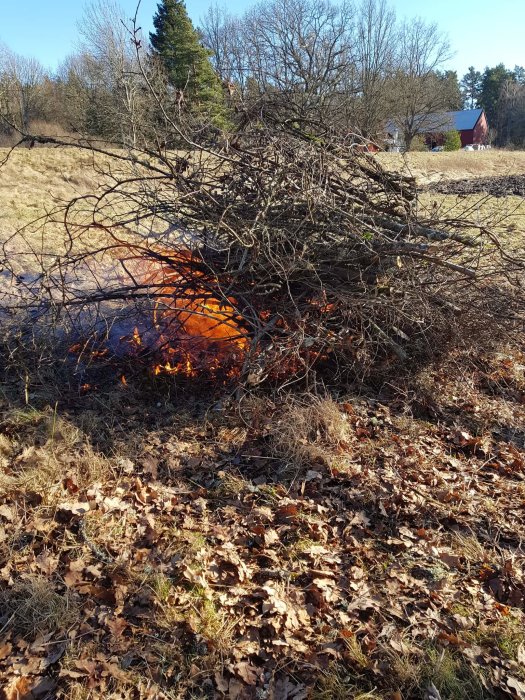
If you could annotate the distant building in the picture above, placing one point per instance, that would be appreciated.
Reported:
(471, 123)
(472, 126)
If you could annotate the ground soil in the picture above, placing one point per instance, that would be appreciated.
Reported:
(496, 186)
(156, 543)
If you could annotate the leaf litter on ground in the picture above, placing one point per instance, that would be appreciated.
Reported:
(379, 556)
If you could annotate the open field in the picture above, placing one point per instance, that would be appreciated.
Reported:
(35, 181)
(159, 539)
(430, 167)
(460, 183)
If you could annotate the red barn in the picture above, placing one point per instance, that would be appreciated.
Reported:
(472, 126)
(471, 123)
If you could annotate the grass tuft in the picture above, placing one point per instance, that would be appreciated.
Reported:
(32, 607)
(338, 683)
(39, 449)
(452, 675)
(315, 431)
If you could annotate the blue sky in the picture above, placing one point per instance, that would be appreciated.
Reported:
(481, 32)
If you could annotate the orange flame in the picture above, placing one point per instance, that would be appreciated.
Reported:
(196, 328)
(199, 329)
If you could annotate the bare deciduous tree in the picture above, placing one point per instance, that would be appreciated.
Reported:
(21, 79)
(417, 94)
(351, 67)
(222, 35)
(375, 59)
(510, 114)
(108, 45)
(289, 56)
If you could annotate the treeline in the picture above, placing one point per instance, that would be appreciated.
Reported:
(350, 67)
(322, 67)
(100, 91)
(501, 93)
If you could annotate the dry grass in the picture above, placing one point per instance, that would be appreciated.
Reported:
(38, 449)
(202, 612)
(35, 186)
(313, 431)
(417, 669)
(336, 683)
(430, 167)
(40, 127)
(453, 677)
(43, 450)
(32, 607)
(469, 547)
(506, 634)
(505, 215)
(35, 181)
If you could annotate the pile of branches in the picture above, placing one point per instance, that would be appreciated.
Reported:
(317, 255)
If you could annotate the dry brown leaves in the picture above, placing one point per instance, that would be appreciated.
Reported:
(207, 569)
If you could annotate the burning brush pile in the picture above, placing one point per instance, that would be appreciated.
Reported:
(265, 258)
(193, 328)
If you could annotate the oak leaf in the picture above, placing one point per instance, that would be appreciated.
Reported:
(247, 672)
(516, 687)
(47, 563)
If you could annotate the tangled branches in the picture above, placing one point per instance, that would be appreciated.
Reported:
(269, 254)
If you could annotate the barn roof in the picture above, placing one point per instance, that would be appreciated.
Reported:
(465, 119)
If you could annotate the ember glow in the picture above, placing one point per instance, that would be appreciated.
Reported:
(188, 323)
(195, 328)
(82, 348)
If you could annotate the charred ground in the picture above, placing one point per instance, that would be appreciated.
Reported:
(497, 186)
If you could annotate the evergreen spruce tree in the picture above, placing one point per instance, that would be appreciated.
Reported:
(492, 82)
(471, 87)
(452, 141)
(186, 62)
